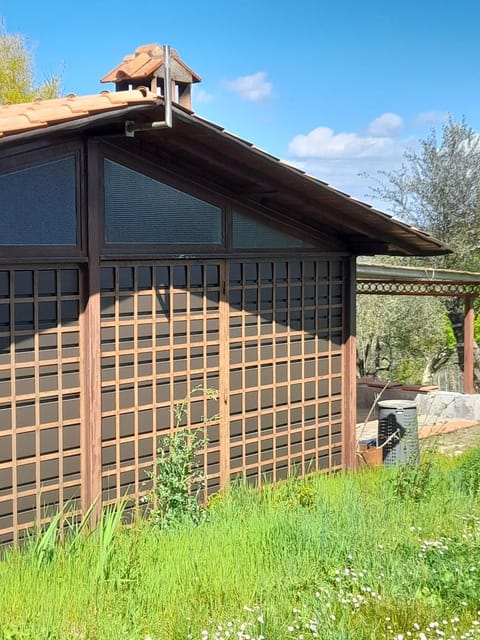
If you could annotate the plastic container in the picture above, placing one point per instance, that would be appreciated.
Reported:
(398, 432)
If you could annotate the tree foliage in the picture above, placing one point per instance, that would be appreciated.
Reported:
(437, 188)
(17, 79)
(403, 339)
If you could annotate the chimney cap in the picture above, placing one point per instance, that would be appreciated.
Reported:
(144, 63)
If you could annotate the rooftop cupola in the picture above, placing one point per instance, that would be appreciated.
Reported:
(145, 68)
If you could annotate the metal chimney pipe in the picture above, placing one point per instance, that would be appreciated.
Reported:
(167, 82)
(131, 128)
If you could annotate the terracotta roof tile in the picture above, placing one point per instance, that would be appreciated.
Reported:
(147, 48)
(15, 118)
(134, 66)
(143, 63)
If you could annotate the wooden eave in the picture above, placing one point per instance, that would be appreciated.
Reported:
(255, 178)
(267, 181)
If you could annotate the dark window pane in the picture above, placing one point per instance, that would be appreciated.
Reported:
(250, 233)
(69, 281)
(139, 209)
(4, 284)
(23, 283)
(107, 279)
(38, 205)
(47, 282)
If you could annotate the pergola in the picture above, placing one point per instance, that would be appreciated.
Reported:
(419, 281)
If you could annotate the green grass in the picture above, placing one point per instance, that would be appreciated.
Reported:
(332, 557)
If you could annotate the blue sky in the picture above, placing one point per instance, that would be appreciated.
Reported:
(338, 88)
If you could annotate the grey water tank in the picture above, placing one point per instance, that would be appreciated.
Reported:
(398, 432)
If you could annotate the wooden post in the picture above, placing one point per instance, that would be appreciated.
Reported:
(90, 345)
(224, 399)
(468, 341)
(350, 369)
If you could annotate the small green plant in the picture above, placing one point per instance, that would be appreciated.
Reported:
(413, 478)
(469, 471)
(45, 543)
(294, 493)
(177, 479)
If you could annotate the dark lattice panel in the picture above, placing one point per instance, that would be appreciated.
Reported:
(285, 349)
(39, 396)
(160, 338)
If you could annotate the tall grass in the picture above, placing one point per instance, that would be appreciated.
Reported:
(332, 557)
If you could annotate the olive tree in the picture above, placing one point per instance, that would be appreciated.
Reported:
(403, 339)
(437, 188)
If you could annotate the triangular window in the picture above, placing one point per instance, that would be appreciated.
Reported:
(251, 233)
(142, 210)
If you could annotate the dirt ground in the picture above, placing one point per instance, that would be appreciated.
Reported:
(455, 442)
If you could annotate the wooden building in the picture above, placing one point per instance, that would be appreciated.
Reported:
(138, 262)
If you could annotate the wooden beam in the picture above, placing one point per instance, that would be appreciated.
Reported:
(90, 345)
(224, 377)
(468, 343)
(349, 369)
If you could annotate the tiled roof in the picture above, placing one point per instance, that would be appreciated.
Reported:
(17, 118)
(233, 158)
(142, 64)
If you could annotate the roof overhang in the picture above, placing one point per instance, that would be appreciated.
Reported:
(268, 181)
(254, 176)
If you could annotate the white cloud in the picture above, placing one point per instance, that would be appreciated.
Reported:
(323, 143)
(388, 124)
(202, 97)
(342, 159)
(350, 161)
(431, 118)
(254, 87)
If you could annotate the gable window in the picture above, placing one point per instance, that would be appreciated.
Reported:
(140, 209)
(251, 233)
(38, 204)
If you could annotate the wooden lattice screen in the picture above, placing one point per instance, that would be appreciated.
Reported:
(160, 335)
(285, 369)
(39, 395)
(268, 334)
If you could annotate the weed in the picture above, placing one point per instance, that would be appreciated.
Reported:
(413, 479)
(469, 472)
(45, 542)
(105, 534)
(177, 479)
(294, 493)
(353, 565)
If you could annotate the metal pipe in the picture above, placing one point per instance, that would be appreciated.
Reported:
(130, 125)
(167, 85)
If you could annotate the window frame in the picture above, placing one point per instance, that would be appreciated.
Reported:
(151, 170)
(29, 159)
(278, 226)
(149, 166)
